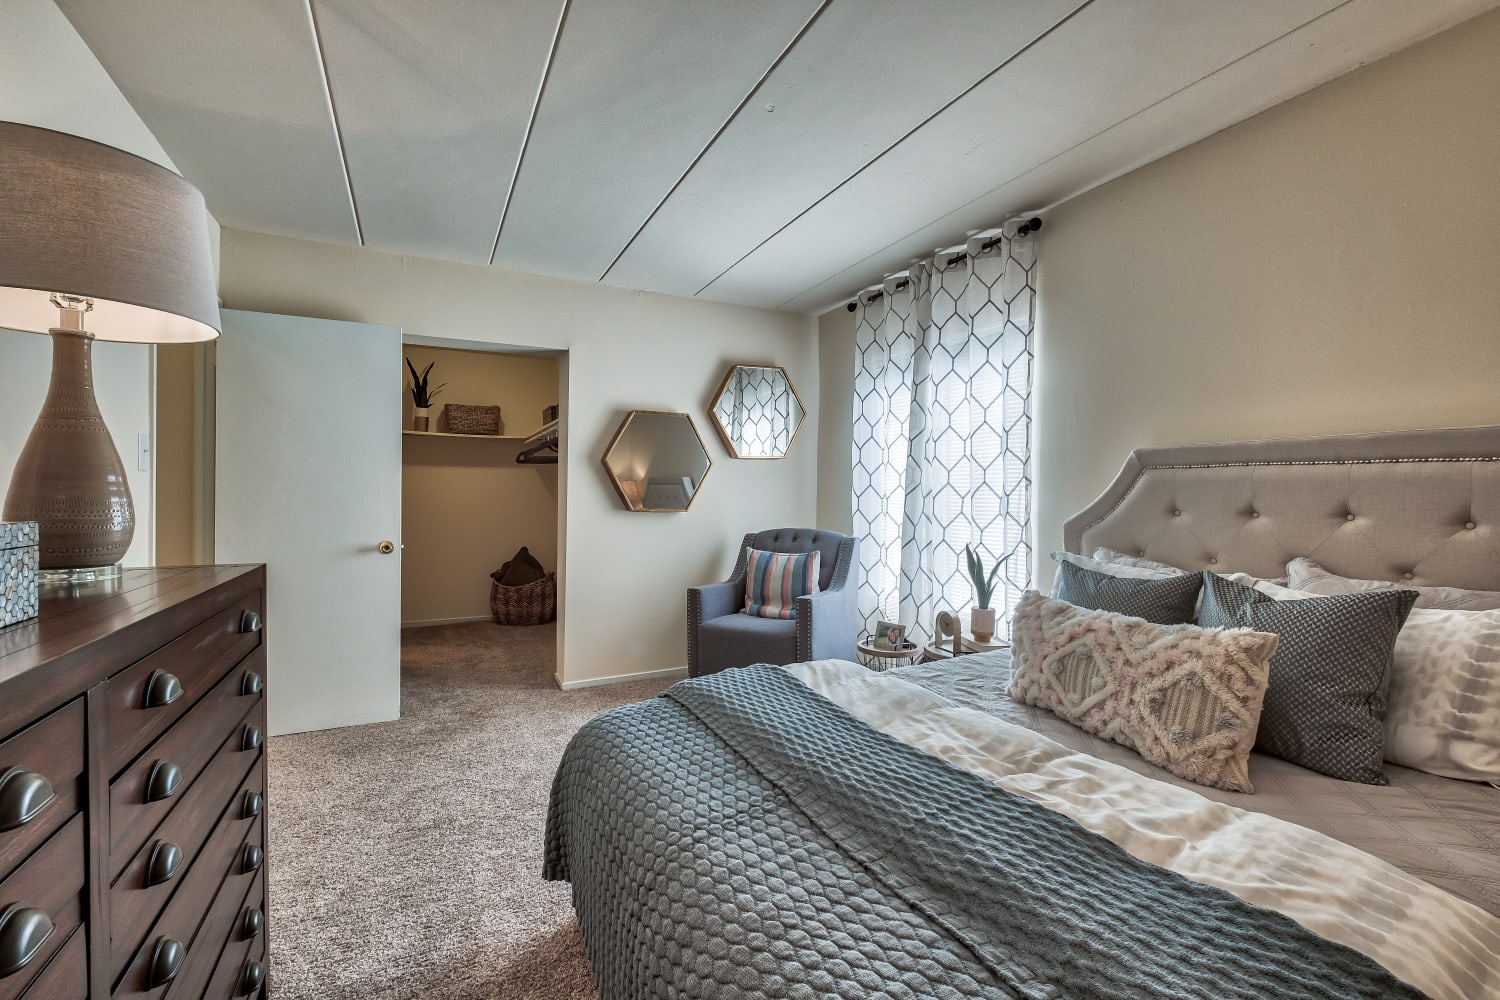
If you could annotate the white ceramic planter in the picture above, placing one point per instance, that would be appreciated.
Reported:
(419, 418)
(982, 623)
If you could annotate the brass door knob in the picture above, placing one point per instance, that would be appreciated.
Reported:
(386, 548)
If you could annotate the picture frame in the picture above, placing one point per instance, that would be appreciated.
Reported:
(890, 635)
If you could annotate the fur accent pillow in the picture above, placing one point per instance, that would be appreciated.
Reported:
(1183, 697)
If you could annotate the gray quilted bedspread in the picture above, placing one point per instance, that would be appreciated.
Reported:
(742, 836)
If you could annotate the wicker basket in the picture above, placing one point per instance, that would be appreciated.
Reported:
(529, 604)
(466, 418)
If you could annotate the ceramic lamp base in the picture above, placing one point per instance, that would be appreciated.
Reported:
(69, 477)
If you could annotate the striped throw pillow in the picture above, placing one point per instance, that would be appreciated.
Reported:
(774, 581)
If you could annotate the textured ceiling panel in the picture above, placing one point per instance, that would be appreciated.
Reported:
(1347, 37)
(862, 77)
(796, 207)
(234, 93)
(433, 100)
(1032, 110)
(635, 93)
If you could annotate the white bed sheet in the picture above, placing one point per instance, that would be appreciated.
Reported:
(1444, 946)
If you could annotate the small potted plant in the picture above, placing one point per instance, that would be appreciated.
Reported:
(982, 616)
(421, 395)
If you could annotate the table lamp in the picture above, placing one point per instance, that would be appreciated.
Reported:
(95, 244)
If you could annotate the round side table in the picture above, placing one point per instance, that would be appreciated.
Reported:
(877, 658)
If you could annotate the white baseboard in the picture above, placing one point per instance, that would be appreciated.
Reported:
(430, 622)
(621, 678)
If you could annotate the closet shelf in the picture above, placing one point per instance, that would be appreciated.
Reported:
(481, 437)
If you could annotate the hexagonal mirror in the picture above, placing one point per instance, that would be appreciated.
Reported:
(757, 411)
(657, 461)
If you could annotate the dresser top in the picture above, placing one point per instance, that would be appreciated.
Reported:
(83, 633)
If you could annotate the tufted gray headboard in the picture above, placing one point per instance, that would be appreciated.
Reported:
(1420, 507)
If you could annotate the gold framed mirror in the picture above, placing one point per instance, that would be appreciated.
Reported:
(657, 461)
(757, 411)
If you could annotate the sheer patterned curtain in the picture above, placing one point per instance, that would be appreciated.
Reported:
(942, 432)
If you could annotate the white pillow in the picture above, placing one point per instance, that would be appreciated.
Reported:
(1108, 555)
(1304, 574)
(1443, 711)
(1105, 554)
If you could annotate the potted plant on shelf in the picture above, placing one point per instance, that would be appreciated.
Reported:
(982, 616)
(421, 395)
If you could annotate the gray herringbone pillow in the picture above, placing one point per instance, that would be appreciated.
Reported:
(1168, 601)
(1325, 706)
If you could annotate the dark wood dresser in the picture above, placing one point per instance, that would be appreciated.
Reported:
(132, 790)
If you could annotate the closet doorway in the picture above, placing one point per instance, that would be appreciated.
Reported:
(470, 501)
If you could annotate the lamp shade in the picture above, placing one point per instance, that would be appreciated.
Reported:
(81, 218)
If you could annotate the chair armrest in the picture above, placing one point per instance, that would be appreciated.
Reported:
(827, 624)
(705, 603)
(714, 600)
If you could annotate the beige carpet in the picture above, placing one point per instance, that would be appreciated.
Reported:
(405, 857)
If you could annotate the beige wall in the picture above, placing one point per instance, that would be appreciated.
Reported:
(623, 575)
(50, 78)
(1330, 266)
(466, 506)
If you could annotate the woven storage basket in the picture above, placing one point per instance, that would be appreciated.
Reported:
(466, 418)
(529, 604)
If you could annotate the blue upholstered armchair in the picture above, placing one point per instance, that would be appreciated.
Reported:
(826, 623)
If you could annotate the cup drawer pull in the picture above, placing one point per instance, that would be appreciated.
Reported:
(23, 932)
(251, 683)
(252, 738)
(250, 622)
(162, 689)
(23, 795)
(251, 806)
(166, 962)
(251, 858)
(251, 924)
(164, 781)
(252, 978)
(166, 861)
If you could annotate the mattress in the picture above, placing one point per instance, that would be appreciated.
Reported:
(1442, 831)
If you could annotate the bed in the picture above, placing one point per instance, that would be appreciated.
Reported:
(822, 830)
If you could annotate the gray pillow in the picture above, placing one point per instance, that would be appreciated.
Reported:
(1325, 705)
(1168, 601)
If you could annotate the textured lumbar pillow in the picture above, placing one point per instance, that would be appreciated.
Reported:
(1306, 575)
(1325, 708)
(774, 581)
(1165, 600)
(1183, 697)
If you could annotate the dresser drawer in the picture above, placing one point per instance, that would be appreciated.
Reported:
(241, 972)
(225, 721)
(46, 890)
(210, 972)
(225, 865)
(142, 701)
(41, 783)
(135, 900)
(66, 977)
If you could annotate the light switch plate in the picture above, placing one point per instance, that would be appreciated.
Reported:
(143, 452)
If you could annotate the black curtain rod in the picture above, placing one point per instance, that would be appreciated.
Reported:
(1024, 229)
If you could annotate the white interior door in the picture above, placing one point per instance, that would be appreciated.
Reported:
(308, 481)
